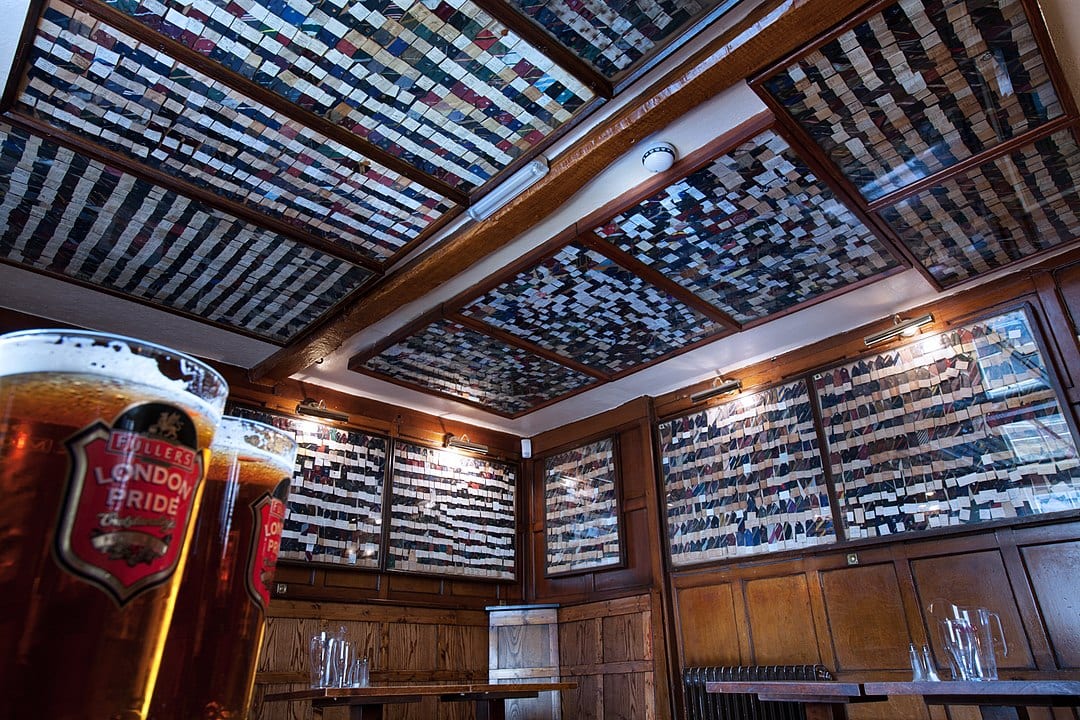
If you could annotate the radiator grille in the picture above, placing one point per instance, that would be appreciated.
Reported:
(701, 705)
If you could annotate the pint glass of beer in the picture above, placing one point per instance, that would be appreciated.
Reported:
(208, 668)
(104, 442)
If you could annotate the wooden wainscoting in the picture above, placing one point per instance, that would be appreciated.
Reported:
(607, 648)
(523, 644)
(856, 611)
(402, 644)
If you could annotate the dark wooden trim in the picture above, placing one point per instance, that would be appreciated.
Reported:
(529, 31)
(1027, 606)
(256, 92)
(1037, 21)
(844, 190)
(513, 341)
(140, 301)
(658, 279)
(682, 168)
(92, 150)
(775, 28)
(851, 18)
(836, 292)
(508, 272)
(22, 55)
(839, 529)
(998, 151)
(1067, 354)
(428, 233)
(661, 52)
(390, 340)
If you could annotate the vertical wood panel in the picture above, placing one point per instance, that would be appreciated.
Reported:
(866, 618)
(976, 579)
(580, 642)
(586, 702)
(624, 696)
(623, 637)
(781, 624)
(1054, 570)
(411, 647)
(707, 626)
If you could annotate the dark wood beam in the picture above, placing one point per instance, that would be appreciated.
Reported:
(776, 28)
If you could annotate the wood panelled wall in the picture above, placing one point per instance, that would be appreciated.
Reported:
(856, 615)
(631, 427)
(611, 629)
(609, 649)
(856, 606)
(401, 644)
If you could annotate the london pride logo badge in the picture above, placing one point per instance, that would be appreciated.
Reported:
(129, 499)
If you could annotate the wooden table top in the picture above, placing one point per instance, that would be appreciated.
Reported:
(945, 692)
(984, 692)
(825, 691)
(390, 693)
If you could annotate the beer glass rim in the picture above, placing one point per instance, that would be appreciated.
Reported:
(218, 381)
(219, 438)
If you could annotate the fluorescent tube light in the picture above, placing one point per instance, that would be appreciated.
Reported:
(513, 186)
(900, 327)
(317, 408)
(727, 386)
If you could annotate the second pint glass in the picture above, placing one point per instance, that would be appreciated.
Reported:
(208, 668)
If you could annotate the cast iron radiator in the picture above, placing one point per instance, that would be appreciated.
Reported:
(701, 705)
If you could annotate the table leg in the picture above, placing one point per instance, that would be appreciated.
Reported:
(494, 709)
(365, 712)
(823, 711)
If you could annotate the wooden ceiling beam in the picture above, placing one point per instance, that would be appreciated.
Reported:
(771, 31)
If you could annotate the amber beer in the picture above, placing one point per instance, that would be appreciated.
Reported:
(208, 669)
(103, 446)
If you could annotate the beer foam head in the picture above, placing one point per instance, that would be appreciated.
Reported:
(255, 439)
(136, 361)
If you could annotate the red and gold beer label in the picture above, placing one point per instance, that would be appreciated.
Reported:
(129, 499)
(269, 516)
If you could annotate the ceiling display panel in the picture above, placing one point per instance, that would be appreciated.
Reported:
(612, 36)
(440, 85)
(87, 77)
(453, 360)
(753, 233)
(64, 214)
(1000, 212)
(919, 87)
(583, 306)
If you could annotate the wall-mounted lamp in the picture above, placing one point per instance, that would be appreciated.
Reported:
(463, 443)
(516, 184)
(719, 387)
(907, 328)
(317, 408)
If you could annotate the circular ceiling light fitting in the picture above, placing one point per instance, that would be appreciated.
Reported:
(658, 157)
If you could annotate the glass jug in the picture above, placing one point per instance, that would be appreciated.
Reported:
(967, 634)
